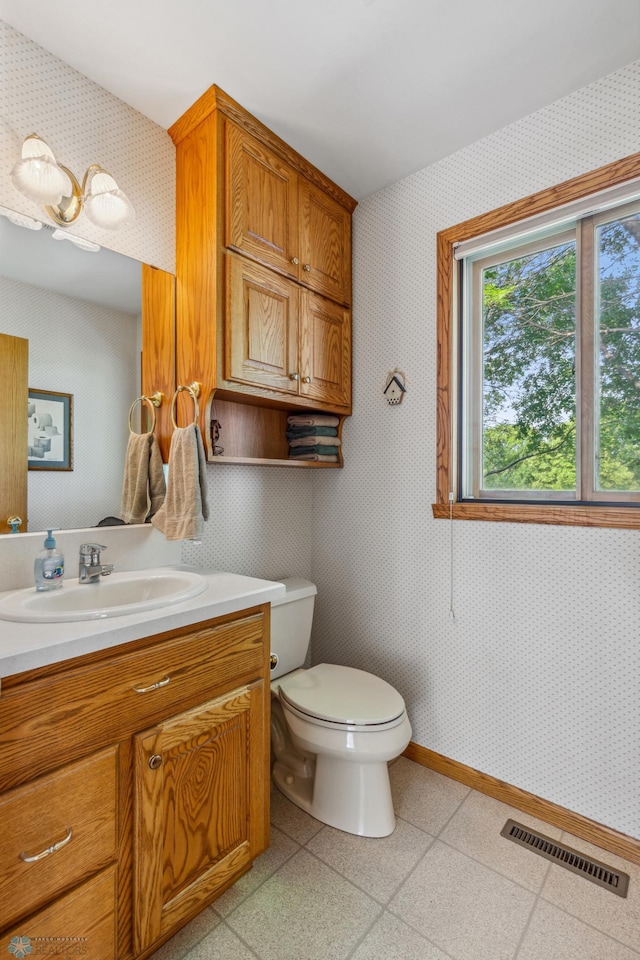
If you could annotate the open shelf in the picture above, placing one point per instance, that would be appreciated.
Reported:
(256, 435)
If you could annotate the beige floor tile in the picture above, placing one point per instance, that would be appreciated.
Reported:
(291, 819)
(475, 830)
(376, 866)
(618, 917)
(305, 911)
(282, 847)
(468, 910)
(392, 939)
(184, 940)
(221, 944)
(552, 935)
(424, 798)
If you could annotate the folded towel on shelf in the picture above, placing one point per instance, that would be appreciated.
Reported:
(312, 420)
(317, 448)
(143, 486)
(315, 442)
(185, 505)
(319, 457)
(295, 432)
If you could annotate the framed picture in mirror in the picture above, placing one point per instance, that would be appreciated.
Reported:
(49, 430)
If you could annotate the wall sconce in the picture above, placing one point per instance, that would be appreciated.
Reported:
(40, 177)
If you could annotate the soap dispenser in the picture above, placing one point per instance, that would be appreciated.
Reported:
(48, 569)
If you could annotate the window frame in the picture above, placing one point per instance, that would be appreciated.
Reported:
(448, 361)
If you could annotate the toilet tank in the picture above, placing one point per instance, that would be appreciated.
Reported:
(291, 618)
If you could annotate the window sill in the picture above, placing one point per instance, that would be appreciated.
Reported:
(578, 516)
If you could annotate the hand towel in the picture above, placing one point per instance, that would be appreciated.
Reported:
(294, 432)
(321, 457)
(315, 442)
(185, 505)
(313, 449)
(312, 420)
(143, 486)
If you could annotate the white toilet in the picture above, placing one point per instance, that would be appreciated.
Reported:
(333, 729)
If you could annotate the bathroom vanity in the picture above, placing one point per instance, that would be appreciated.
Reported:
(134, 775)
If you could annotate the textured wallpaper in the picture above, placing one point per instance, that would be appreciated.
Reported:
(537, 679)
(83, 124)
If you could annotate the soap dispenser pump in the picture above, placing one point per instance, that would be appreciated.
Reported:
(48, 569)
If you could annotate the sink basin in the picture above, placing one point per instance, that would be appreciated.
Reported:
(114, 596)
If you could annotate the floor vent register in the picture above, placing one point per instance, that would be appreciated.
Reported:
(593, 870)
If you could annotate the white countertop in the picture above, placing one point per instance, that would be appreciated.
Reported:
(25, 646)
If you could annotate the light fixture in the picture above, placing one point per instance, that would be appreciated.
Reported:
(40, 177)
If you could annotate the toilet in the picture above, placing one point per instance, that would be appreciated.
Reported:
(333, 729)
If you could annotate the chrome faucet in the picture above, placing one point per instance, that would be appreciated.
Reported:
(91, 569)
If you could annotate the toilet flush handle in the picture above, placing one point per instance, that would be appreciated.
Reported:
(273, 661)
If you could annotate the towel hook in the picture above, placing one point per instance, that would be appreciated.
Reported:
(154, 401)
(194, 392)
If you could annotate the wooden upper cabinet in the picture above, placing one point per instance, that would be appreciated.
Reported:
(325, 244)
(262, 337)
(260, 233)
(262, 203)
(325, 350)
(284, 220)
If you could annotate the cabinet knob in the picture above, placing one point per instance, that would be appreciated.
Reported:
(295, 261)
(294, 376)
(306, 267)
(306, 379)
(155, 761)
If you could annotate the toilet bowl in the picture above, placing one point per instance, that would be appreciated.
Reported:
(333, 728)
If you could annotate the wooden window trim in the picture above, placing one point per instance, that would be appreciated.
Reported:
(609, 175)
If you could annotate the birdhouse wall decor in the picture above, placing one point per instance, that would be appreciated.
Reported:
(395, 388)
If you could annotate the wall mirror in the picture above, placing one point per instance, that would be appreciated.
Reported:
(81, 313)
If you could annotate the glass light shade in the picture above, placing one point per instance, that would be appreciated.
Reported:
(105, 204)
(38, 176)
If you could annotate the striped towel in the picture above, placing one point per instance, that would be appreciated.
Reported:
(312, 420)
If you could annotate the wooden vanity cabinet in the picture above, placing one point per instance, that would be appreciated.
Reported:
(263, 261)
(134, 785)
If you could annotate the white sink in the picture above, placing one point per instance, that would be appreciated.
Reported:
(117, 595)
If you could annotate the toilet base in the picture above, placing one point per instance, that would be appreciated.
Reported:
(354, 797)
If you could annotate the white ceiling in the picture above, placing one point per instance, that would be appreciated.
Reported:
(369, 90)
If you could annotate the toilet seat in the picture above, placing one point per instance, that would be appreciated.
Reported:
(328, 694)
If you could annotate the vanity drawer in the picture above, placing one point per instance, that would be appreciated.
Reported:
(80, 924)
(74, 810)
(47, 722)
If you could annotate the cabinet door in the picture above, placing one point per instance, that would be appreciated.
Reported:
(14, 361)
(261, 327)
(325, 244)
(200, 807)
(325, 351)
(261, 203)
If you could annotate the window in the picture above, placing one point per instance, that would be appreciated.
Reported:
(539, 349)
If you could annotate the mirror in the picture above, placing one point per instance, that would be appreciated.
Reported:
(81, 313)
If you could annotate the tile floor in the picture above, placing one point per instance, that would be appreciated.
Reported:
(443, 886)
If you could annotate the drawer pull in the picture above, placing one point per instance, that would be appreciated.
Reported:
(154, 686)
(51, 849)
(155, 761)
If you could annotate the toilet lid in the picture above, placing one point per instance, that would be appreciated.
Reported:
(342, 695)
